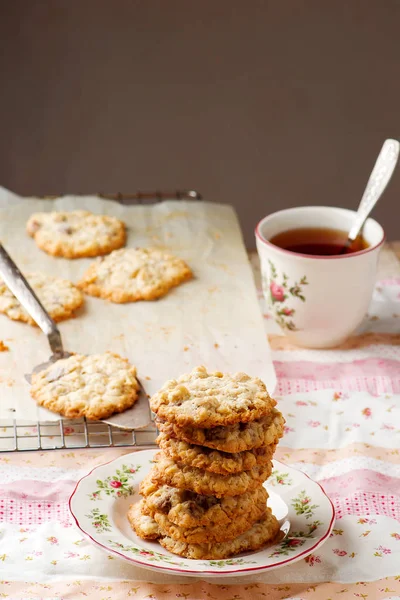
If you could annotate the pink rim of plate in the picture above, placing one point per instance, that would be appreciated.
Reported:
(313, 256)
(221, 573)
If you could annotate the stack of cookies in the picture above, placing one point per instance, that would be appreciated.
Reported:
(204, 497)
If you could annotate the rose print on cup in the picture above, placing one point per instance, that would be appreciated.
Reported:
(279, 290)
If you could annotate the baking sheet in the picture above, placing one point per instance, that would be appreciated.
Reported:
(213, 320)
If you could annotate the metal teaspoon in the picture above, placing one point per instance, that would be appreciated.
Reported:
(379, 178)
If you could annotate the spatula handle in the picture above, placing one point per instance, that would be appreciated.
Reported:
(21, 289)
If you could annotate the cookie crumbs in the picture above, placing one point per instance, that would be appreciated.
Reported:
(119, 337)
(3, 347)
(216, 345)
(185, 348)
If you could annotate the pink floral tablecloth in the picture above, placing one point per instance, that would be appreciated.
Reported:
(342, 409)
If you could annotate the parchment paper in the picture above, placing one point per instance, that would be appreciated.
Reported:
(213, 320)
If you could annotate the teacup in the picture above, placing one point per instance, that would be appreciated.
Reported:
(318, 301)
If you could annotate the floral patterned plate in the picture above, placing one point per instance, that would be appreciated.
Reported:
(101, 500)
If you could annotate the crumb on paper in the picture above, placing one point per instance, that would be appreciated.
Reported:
(216, 345)
(217, 235)
(223, 267)
(213, 289)
(374, 318)
(185, 348)
(176, 215)
(3, 347)
(167, 330)
(148, 378)
(9, 382)
(119, 337)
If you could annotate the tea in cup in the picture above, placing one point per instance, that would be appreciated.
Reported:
(317, 295)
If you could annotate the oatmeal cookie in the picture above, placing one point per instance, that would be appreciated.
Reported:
(76, 234)
(235, 438)
(94, 386)
(265, 531)
(144, 526)
(134, 274)
(215, 461)
(59, 297)
(188, 509)
(200, 535)
(203, 399)
(166, 471)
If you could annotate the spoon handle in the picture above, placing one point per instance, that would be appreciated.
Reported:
(379, 178)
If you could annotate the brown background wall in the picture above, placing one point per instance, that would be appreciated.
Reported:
(261, 104)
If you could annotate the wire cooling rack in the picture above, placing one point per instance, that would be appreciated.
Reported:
(22, 436)
(68, 435)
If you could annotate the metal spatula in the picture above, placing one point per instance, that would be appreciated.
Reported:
(138, 416)
(21, 289)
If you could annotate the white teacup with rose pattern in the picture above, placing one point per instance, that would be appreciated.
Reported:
(318, 301)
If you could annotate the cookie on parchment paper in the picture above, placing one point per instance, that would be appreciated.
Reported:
(76, 234)
(134, 274)
(59, 297)
(94, 386)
